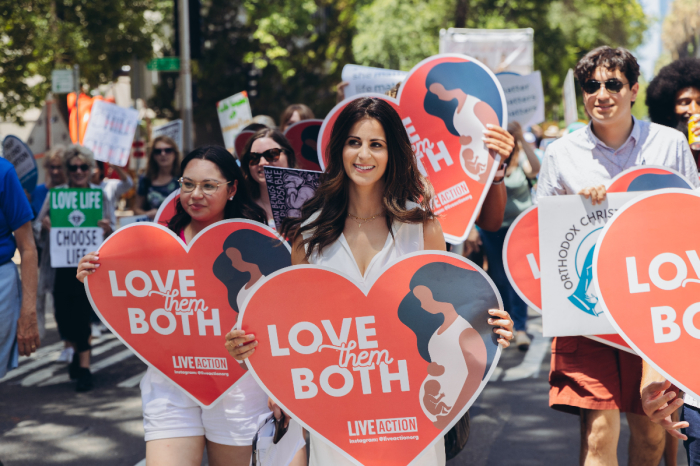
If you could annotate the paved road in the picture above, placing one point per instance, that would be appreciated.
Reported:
(44, 422)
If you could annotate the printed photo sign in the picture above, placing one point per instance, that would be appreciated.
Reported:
(569, 228)
(234, 115)
(21, 157)
(445, 103)
(74, 231)
(288, 189)
(110, 132)
(647, 275)
(303, 136)
(397, 363)
(172, 304)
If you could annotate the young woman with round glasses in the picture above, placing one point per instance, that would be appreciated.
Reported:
(177, 429)
(266, 147)
(161, 176)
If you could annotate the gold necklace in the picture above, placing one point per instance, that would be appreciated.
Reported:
(363, 220)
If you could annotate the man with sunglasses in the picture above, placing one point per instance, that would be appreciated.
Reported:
(587, 378)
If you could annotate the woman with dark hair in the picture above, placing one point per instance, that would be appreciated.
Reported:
(266, 147)
(372, 207)
(673, 97)
(293, 114)
(161, 176)
(177, 429)
(447, 314)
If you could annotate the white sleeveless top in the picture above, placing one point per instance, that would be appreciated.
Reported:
(408, 238)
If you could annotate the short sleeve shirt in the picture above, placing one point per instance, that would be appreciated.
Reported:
(154, 195)
(580, 160)
(15, 209)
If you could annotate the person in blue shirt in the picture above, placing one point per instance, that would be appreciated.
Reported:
(19, 332)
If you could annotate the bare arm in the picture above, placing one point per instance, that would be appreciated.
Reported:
(27, 327)
(433, 238)
(491, 215)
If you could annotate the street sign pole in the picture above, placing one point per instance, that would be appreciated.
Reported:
(185, 75)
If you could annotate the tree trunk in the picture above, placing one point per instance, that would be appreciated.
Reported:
(461, 12)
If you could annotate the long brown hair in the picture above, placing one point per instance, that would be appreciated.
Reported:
(280, 139)
(305, 113)
(403, 182)
(152, 167)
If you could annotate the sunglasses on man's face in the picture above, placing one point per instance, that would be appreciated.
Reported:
(74, 168)
(613, 86)
(271, 155)
(167, 151)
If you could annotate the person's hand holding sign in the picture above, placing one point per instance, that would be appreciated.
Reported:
(658, 403)
(504, 326)
(87, 266)
(239, 345)
(499, 140)
(595, 193)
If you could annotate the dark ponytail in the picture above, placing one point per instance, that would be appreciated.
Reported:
(242, 205)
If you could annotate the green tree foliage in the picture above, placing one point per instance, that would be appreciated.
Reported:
(39, 35)
(400, 33)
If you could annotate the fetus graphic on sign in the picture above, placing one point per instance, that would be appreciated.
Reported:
(465, 106)
(452, 334)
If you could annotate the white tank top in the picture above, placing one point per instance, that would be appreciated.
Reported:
(408, 238)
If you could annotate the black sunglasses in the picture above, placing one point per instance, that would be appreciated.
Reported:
(271, 155)
(74, 168)
(169, 150)
(613, 86)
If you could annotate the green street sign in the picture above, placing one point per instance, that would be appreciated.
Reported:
(164, 64)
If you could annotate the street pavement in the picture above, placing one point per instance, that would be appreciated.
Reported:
(43, 421)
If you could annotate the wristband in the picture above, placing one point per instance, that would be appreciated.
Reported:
(500, 174)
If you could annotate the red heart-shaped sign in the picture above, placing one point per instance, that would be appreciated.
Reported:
(445, 103)
(380, 374)
(647, 273)
(172, 304)
(303, 136)
(521, 249)
(167, 208)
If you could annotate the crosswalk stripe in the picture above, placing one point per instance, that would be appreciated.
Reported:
(115, 358)
(47, 355)
(131, 382)
(47, 373)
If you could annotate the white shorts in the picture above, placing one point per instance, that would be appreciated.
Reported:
(169, 413)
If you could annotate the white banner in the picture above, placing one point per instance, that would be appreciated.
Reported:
(234, 115)
(524, 97)
(110, 132)
(363, 79)
(499, 49)
(172, 129)
(69, 245)
(569, 96)
(569, 227)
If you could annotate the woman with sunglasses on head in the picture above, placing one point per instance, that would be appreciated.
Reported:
(372, 207)
(177, 429)
(72, 308)
(161, 176)
(266, 147)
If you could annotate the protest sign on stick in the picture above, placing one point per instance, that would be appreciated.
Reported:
(646, 272)
(445, 103)
(363, 79)
(524, 97)
(303, 137)
(381, 358)
(234, 114)
(20, 156)
(288, 189)
(74, 231)
(110, 132)
(171, 129)
(172, 304)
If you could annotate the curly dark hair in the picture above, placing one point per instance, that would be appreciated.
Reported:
(610, 59)
(662, 90)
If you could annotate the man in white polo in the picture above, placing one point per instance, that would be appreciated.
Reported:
(593, 380)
